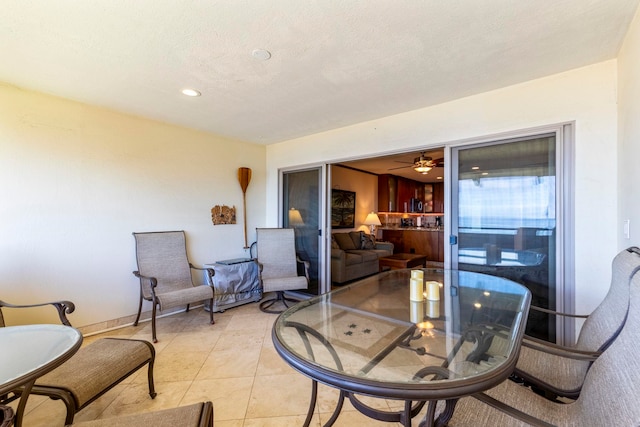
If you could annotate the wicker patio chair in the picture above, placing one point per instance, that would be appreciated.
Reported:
(559, 370)
(92, 371)
(279, 265)
(196, 415)
(165, 274)
(608, 398)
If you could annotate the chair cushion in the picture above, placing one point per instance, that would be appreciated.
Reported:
(186, 416)
(345, 242)
(284, 283)
(85, 376)
(185, 296)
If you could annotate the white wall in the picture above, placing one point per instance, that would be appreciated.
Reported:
(629, 135)
(586, 96)
(78, 180)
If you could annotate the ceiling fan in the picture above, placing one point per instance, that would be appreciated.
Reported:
(422, 164)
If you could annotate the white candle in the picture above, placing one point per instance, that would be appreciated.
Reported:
(433, 291)
(416, 289)
(417, 274)
(416, 312)
(433, 309)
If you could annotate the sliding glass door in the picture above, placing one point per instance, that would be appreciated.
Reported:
(301, 210)
(505, 219)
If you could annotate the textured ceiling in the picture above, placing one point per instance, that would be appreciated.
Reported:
(334, 63)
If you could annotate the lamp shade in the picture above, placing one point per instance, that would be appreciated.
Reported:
(295, 219)
(372, 219)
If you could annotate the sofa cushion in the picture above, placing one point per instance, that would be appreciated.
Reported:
(368, 241)
(353, 258)
(356, 237)
(345, 241)
(334, 244)
(366, 256)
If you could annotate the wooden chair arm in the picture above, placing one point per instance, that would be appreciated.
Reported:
(63, 308)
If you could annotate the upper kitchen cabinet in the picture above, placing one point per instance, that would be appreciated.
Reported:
(438, 197)
(387, 193)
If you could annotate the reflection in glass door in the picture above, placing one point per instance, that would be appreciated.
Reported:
(504, 217)
(301, 211)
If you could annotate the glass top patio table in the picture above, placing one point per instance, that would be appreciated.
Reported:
(31, 351)
(370, 338)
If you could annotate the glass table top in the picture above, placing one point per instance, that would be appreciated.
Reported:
(31, 350)
(370, 337)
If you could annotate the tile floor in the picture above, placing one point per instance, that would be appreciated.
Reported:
(232, 363)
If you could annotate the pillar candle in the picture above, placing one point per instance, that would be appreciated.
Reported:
(416, 312)
(433, 309)
(416, 289)
(433, 291)
(417, 274)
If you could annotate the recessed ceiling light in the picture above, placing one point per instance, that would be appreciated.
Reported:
(261, 54)
(439, 177)
(190, 92)
(475, 168)
(485, 173)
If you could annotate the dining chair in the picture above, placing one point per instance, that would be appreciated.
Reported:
(165, 274)
(557, 370)
(278, 263)
(92, 371)
(608, 397)
(195, 415)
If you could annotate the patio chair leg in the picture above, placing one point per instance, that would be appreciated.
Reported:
(211, 321)
(139, 311)
(153, 324)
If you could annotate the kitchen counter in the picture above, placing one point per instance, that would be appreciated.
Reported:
(412, 228)
(428, 241)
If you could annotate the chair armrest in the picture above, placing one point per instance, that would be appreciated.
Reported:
(152, 280)
(210, 271)
(559, 350)
(558, 313)
(63, 308)
(307, 266)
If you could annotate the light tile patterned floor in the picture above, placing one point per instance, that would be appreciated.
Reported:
(232, 363)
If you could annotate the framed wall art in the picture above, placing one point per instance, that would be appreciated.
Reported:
(343, 209)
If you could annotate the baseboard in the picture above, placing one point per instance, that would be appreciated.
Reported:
(123, 322)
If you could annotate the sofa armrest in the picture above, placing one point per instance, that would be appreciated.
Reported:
(387, 246)
(338, 255)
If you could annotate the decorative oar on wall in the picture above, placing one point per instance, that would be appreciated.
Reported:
(244, 177)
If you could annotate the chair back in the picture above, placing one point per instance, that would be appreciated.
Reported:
(276, 251)
(610, 393)
(603, 325)
(163, 255)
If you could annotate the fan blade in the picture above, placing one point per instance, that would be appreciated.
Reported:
(401, 167)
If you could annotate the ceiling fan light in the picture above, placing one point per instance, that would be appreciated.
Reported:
(422, 169)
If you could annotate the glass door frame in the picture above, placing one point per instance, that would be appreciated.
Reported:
(324, 255)
(565, 236)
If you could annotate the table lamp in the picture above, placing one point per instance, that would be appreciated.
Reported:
(372, 220)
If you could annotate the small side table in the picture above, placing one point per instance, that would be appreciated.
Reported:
(236, 282)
